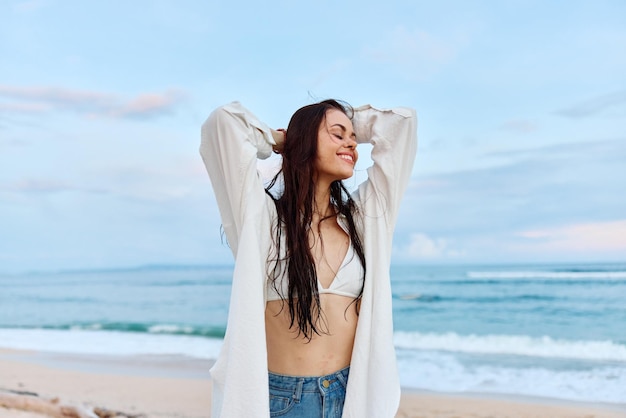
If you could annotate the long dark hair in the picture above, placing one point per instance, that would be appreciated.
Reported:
(295, 213)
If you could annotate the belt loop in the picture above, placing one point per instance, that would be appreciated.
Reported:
(298, 394)
(342, 376)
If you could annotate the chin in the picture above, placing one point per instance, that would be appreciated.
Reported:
(347, 175)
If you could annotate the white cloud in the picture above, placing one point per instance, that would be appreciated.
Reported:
(31, 107)
(147, 104)
(581, 238)
(423, 247)
(89, 103)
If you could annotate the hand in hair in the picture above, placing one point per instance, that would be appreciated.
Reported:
(279, 136)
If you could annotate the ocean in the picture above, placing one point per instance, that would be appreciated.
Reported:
(556, 331)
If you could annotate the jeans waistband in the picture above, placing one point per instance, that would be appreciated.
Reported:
(327, 383)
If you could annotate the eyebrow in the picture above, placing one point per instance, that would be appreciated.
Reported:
(343, 128)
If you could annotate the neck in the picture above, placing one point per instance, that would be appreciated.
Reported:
(321, 203)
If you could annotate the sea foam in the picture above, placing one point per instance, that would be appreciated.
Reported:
(520, 345)
(444, 372)
(109, 342)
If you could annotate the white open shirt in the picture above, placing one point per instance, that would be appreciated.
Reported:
(232, 141)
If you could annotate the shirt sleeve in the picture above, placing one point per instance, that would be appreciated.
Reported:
(393, 134)
(232, 141)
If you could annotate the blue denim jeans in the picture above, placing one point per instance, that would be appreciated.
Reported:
(308, 397)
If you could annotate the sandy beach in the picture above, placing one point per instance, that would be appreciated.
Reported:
(167, 386)
(143, 390)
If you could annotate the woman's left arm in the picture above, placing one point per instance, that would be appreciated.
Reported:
(393, 134)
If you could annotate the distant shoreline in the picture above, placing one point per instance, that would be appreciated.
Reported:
(400, 264)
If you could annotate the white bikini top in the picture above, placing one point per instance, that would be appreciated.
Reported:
(347, 282)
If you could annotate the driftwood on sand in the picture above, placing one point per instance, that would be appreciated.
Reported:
(54, 407)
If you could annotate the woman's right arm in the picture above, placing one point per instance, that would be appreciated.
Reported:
(232, 140)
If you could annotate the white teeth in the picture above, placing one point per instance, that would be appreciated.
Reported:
(346, 157)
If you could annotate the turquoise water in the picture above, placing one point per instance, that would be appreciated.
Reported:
(545, 330)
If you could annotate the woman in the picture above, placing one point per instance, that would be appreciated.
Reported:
(311, 297)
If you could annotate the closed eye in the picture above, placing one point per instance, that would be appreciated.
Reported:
(343, 130)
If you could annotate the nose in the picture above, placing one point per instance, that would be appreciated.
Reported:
(351, 143)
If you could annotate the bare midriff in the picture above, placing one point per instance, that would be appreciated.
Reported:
(292, 354)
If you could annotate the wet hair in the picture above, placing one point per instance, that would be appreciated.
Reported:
(294, 206)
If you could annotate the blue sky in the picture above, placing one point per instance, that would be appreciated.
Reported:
(521, 106)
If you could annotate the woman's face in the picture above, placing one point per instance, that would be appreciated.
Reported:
(336, 147)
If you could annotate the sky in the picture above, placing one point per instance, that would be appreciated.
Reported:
(521, 108)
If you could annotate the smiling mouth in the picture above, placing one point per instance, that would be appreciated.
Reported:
(348, 158)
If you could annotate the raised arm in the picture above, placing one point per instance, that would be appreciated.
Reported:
(232, 140)
(393, 134)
